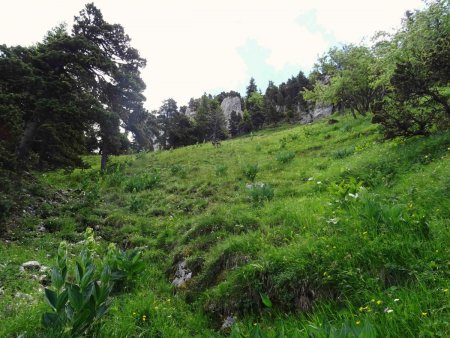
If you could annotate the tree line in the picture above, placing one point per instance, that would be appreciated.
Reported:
(80, 92)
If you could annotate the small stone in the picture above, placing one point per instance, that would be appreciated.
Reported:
(228, 323)
(30, 266)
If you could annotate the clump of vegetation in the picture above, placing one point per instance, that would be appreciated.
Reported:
(80, 299)
(221, 170)
(142, 182)
(285, 156)
(343, 153)
(178, 170)
(260, 192)
(250, 171)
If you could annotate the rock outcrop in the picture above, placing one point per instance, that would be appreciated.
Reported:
(317, 112)
(230, 104)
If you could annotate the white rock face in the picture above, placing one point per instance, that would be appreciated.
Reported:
(182, 275)
(229, 104)
(316, 113)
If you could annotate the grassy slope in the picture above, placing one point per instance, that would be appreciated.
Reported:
(327, 260)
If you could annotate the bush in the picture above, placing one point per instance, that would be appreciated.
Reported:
(250, 171)
(285, 156)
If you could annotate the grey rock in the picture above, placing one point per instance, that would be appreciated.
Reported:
(230, 104)
(30, 266)
(228, 323)
(182, 275)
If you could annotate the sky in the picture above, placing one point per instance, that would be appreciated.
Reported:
(197, 46)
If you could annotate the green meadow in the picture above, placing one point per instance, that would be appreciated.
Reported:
(320, 230)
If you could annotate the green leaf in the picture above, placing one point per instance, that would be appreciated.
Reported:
(78, 272)
(75, 297)
(57, 278)
(51, 297)
(62, 300)
(50, 320)
(266, 300)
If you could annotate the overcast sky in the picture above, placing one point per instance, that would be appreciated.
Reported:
(196, 46)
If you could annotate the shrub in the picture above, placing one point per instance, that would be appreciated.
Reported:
(260, 193)
(285, 156)
(250, 171)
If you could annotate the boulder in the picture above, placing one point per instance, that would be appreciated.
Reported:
(30, 266)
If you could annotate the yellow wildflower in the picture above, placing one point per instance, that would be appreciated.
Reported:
(424, 314)
(358, 322)
(379, 302)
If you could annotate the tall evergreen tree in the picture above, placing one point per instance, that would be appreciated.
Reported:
(114, 76)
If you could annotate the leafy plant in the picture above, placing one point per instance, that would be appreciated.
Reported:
(80, 295)
(125, 266)
(77, 301)
(346, 190)
(250, 171)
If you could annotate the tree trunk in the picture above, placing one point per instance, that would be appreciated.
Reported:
(103, 160)
(23, 148)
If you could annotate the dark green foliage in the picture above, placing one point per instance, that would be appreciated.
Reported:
(419, 101)
(234, 124)
(52, 95)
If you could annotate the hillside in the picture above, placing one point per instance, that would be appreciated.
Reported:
(314, 229)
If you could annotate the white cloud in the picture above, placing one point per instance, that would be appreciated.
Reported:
(192, 46)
